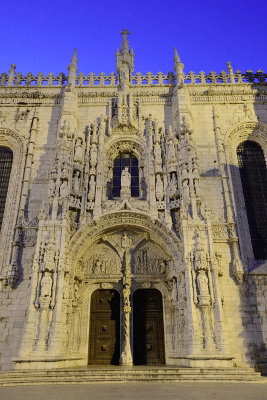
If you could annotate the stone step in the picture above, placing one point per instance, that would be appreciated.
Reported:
(128, 374)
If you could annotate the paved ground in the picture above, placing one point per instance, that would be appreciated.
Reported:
(139, 391)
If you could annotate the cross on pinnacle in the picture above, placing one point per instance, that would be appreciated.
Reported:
(125, 32)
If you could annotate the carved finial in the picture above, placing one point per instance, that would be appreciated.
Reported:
(125, 61)
(74, 60)
(176, 57)
(125, 44)
(178, 68)
(72, 68)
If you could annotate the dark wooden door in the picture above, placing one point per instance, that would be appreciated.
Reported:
(104, 338)
(148, 332)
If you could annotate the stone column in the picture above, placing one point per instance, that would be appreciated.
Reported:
(126, 353)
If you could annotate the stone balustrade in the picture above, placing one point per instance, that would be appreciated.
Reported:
(160, 79)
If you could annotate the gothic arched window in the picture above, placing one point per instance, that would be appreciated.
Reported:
(125, 160)
(6, 158)
(253, 174)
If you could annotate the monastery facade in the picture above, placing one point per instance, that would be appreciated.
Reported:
(133, 217)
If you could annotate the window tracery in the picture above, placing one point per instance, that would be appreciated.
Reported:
(125, 162)
(253, 173)
(6, 159)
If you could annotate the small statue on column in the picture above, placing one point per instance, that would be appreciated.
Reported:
(125, 183)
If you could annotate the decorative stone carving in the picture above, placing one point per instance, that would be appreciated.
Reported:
(79, 151)
(46, 285)
(149, 260)
(102, 260)
(125, 183)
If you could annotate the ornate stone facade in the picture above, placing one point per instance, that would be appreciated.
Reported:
(181, 229)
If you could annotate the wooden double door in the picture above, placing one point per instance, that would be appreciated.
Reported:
(148, 337)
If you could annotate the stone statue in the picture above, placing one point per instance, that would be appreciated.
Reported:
(76, 182)
(46, 285)
(64, 189)
(126, 179)
(186, 189)
(78, 154)
(173, 186)
(51, 188)
(159, 188)
(98, 267)
(92, 185)
(93, 155)
(125, 241)
(203, 283)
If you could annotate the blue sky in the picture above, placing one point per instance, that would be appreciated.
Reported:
(39, 35)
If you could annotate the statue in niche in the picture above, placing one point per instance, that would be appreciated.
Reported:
(78, 153)
(162, 266)
(159, 188)
(126, 179)
(65, 172)
(51, 188)
(92, 185)
(76, 182)
(126, 293)
(93, 155)
(171, 151)
(173, 186)
(203, 283)
(64, 189)
(98, 267)
(46, 285)
(186, 189)
(125, 241)
(196, 186)
(124, 73)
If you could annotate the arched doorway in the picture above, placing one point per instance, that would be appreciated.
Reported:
(104, 332)
(148, 333)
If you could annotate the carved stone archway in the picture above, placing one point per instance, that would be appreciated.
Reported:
(103, 255)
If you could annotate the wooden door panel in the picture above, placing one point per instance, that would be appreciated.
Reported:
(148, 327)
(104, 328)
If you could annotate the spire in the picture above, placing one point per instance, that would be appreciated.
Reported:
(125, 61)
(74, 60)
(178, 68)
(176, 57)
(72, 68)
(125, 48)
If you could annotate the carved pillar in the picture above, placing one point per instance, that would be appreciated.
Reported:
(237, 268)
(151, 171)
(126, 353)
(13, 272)
(99, 172)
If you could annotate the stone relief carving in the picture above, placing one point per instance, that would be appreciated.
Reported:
(149, 259)
(102, 261)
